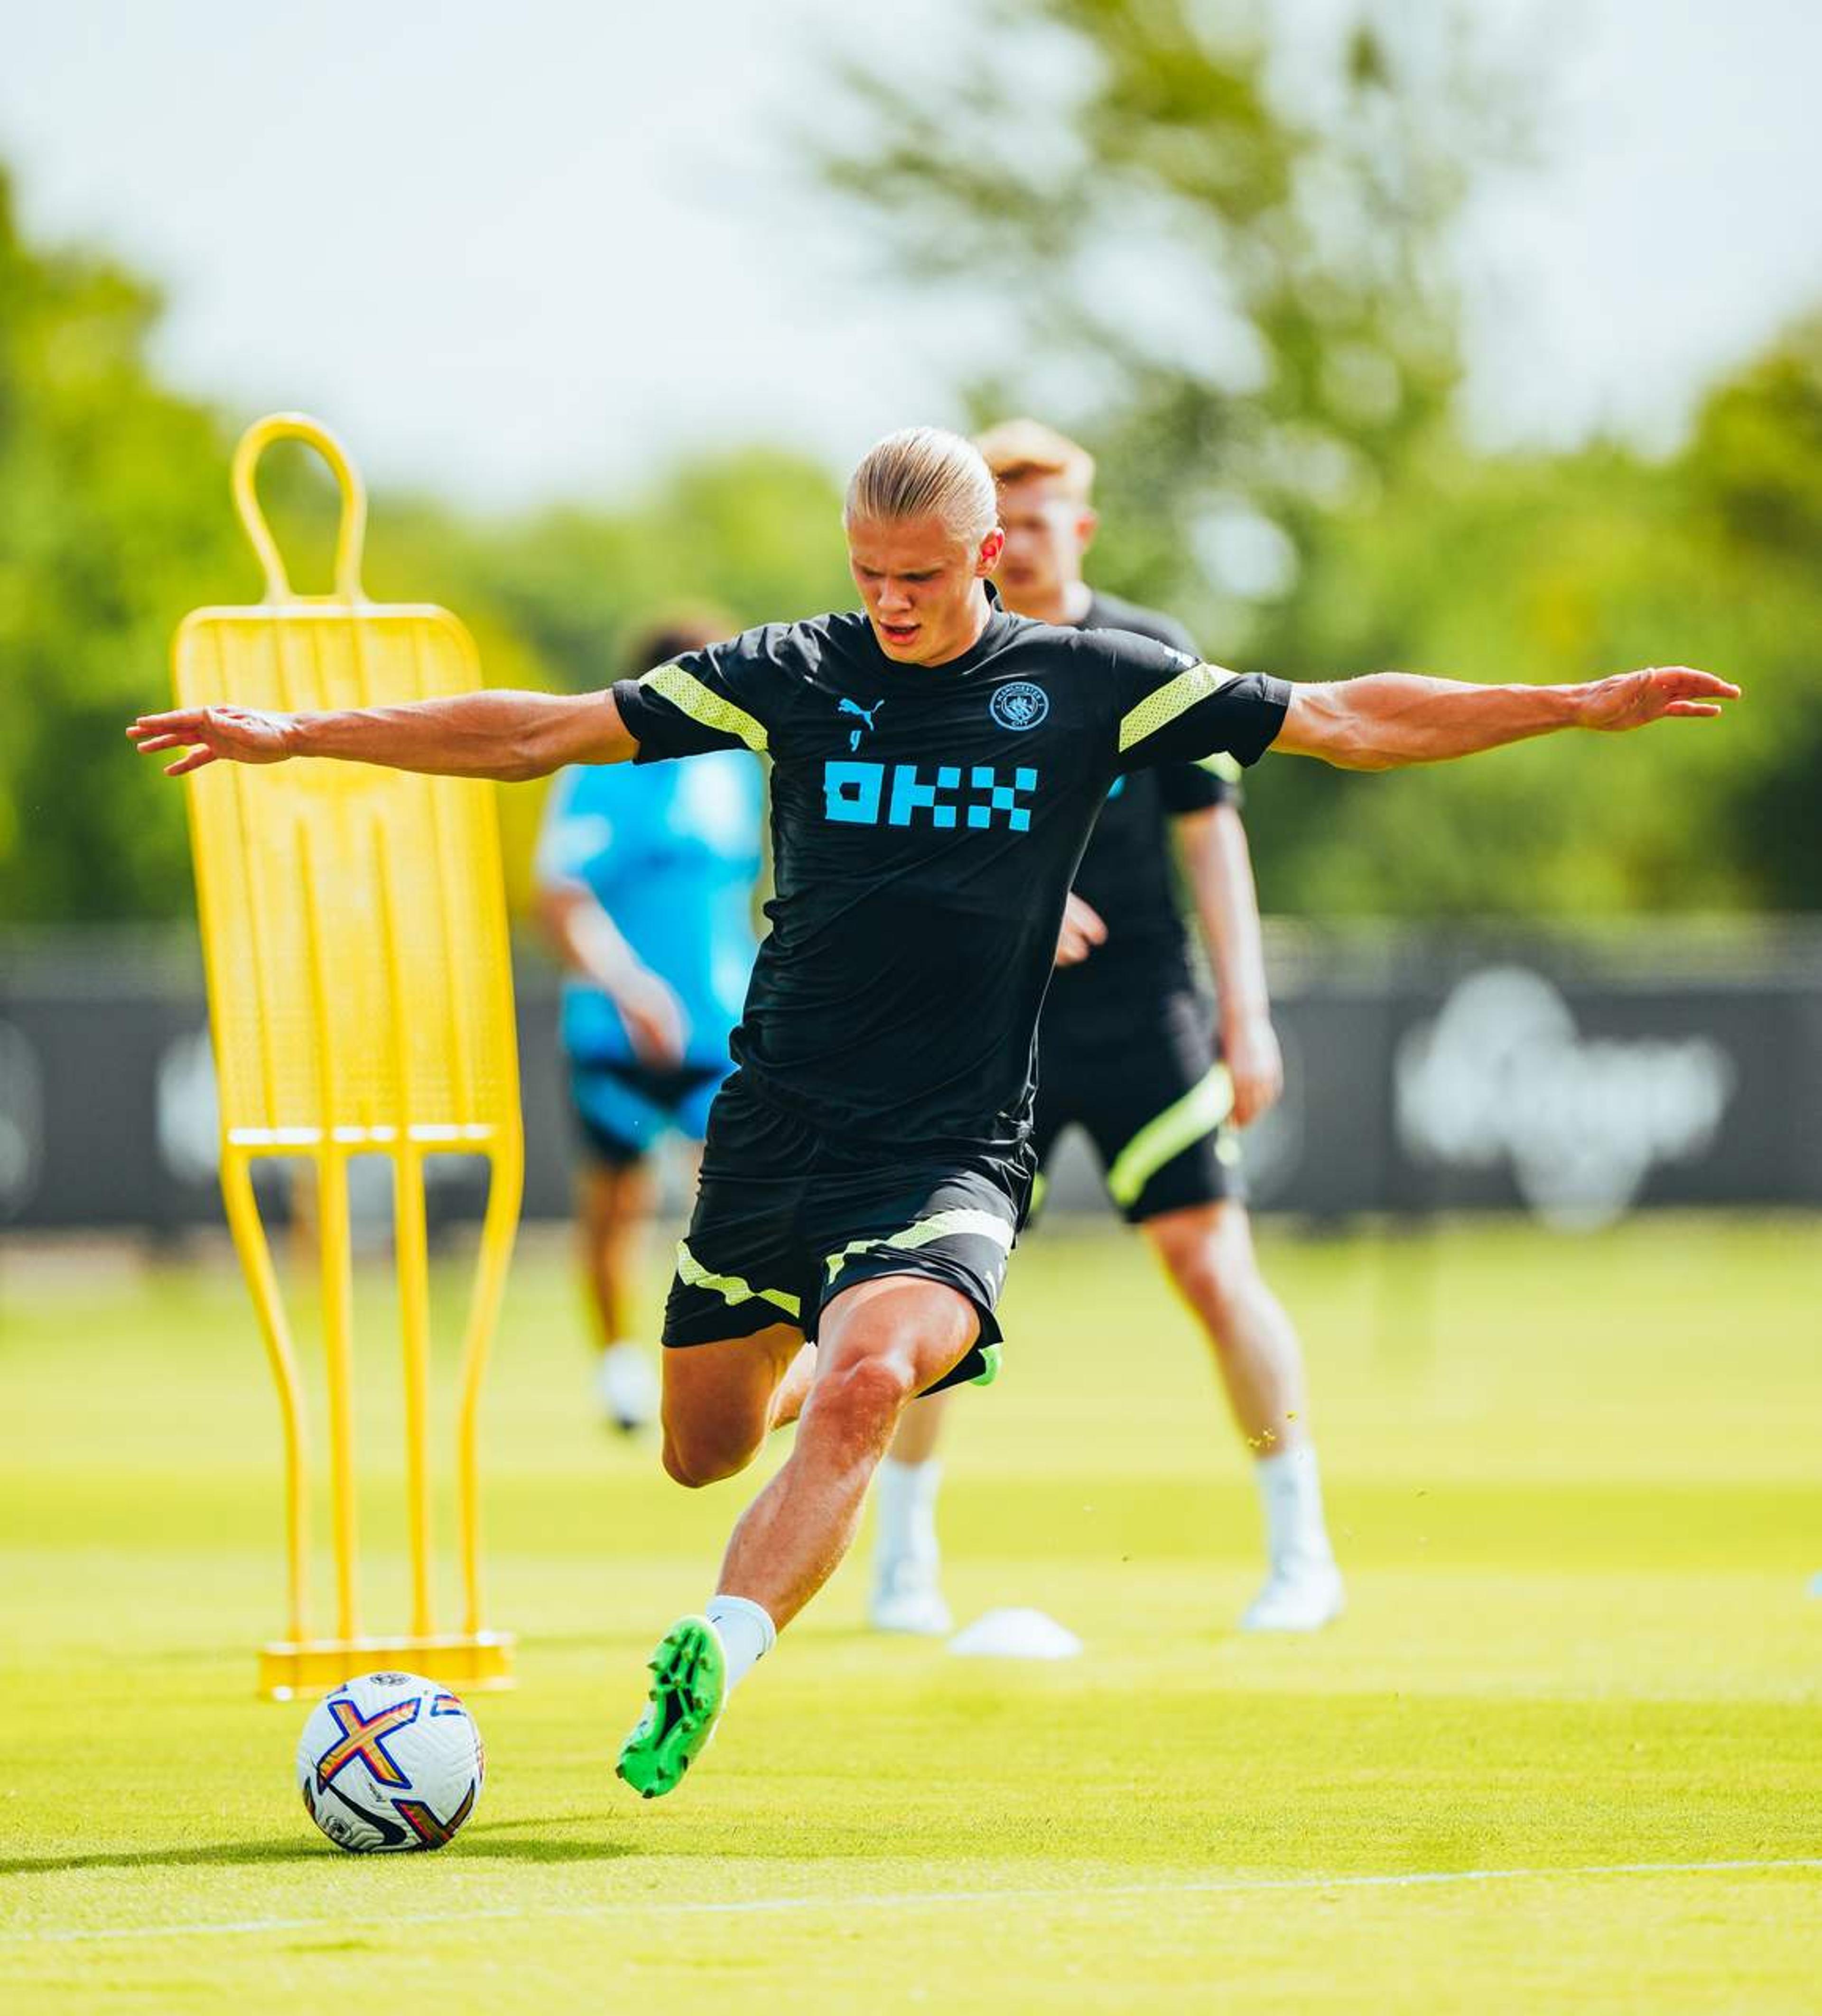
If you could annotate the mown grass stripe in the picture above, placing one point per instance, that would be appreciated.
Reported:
(908, 1899)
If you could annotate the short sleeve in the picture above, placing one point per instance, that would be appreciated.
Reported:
(1201, 785)
(718, 698)
(576, 830)
(1173, 708)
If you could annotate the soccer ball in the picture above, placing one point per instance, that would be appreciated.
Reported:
(389, 1762)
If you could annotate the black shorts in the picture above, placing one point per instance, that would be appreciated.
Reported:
(1150, 1091)
(624, 1109)
(788, 1217)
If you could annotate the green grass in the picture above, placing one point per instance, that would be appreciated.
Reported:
(1575, 1489)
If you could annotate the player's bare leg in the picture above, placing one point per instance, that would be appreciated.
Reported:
(920, 1428)
(907, 1593)
(614, 1203)
(722, 1400)
(1208, 1251)
(882, 1343)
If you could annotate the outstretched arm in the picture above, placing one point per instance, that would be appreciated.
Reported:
(1388, 719)
(506, 735)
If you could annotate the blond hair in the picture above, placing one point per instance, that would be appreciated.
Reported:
(1015, 449)
(924, 472)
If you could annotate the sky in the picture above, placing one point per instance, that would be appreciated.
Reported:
(516, 255)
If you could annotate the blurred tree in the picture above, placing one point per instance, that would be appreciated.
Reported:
(1753, 471)
(558, 599)
(754, 535)
(1230, 283)
(1567, 567)
(111, 524)
(1313, 513)
(1226, 270)
(115, 519)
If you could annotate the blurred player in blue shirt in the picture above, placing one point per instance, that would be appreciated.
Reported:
(646, 877)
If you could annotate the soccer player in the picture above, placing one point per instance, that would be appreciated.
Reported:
(937, 764)
(645, 887)
(1124, 1052)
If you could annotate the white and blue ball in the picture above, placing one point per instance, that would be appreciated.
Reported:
(388, 1763)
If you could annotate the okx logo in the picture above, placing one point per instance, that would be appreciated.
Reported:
(904, 794)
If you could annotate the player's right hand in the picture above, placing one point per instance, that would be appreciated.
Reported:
(231, 734)
(1083, 930)
(654, 1019)
(1249, 1047)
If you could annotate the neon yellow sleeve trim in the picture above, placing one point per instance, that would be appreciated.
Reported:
(688, 694)
(1159, 709)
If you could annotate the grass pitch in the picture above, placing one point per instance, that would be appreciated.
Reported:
(1564, 1750)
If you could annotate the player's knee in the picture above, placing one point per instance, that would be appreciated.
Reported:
(1218, 1276)
(695, 1461)
(858, 1400)
(684, 1466)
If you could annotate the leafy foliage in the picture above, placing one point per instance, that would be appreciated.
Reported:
(1240, 300)
(1238, 295)
(1564, 568)
(115, 519)
(108, 522)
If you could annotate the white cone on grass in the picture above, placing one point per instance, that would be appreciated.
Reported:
(1015, 1634)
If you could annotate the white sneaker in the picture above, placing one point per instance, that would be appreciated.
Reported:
(906, 1598)
(1302, 1594)
(626, 1387)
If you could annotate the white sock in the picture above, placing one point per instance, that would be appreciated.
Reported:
(747, 1634)
(1290, 1490)
(906, 1495)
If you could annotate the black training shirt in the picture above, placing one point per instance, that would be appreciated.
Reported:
(1130, 872)
(927, 821)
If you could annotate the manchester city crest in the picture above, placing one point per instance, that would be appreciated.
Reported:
(1020, 705)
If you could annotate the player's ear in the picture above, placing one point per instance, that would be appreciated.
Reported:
(1087, 525)
(991, 548)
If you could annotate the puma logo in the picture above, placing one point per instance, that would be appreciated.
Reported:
(864, 713)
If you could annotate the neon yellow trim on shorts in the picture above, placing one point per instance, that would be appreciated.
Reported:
(940, 1225)
(730, 1287)
(1183, 1122)
(1222, 765)
(688, 694)
(1159, 709)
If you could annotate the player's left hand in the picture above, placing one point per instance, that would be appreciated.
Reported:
(1249, 1047)
(1631, 699)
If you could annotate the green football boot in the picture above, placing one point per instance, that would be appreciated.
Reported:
(689, 1682)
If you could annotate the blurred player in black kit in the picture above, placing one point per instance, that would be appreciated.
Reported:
(1130, 1050)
